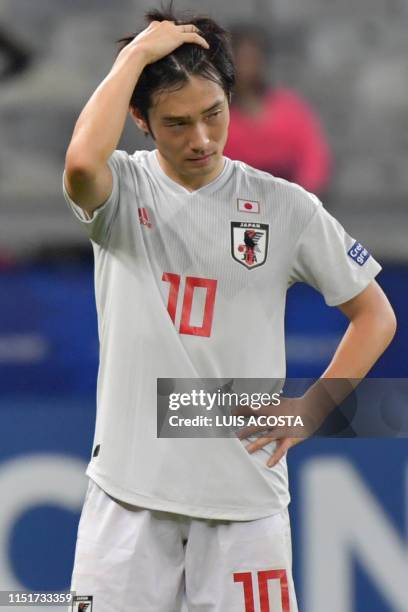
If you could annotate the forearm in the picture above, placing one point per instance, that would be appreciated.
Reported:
(366, 338)
(101, 122)
(372, 327)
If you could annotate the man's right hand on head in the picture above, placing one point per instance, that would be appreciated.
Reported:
(162, 37)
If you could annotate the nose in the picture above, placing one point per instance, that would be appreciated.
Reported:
(199, 139)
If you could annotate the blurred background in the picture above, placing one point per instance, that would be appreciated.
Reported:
(322, 100)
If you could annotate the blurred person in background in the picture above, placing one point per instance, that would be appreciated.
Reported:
(14, 57)
(273, 128)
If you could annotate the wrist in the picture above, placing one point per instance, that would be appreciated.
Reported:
(138, 52)
(132, 56)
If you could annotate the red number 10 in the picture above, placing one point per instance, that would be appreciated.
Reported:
(263, 577)
(191, 283)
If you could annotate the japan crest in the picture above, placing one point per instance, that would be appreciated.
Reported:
(249, 243)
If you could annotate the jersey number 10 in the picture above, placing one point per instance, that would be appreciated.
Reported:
(263, 578)
(191, 283)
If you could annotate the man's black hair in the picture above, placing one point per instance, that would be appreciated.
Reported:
(174, 70)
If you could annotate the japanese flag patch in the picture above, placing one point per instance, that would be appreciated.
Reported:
(248, 206)
(358, 253)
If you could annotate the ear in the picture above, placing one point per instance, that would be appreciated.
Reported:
(138, 119)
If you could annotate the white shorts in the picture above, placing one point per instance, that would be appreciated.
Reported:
(131, 559)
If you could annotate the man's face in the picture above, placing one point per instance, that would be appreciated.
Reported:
(190, 127)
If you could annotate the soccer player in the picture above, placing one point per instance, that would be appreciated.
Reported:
(193, 257)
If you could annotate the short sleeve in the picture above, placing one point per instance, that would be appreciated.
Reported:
(99, 224)
(330, 260)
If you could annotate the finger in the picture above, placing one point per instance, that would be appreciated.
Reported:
(280, 451)
(245, 432)
(193, 37)
(188, 27)
(258, 444)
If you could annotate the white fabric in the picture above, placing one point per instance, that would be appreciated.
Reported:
(189, 235)
(134, 560)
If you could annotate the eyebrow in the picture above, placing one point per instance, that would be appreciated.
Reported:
(207, 110)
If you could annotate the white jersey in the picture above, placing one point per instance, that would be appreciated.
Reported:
(193, 285)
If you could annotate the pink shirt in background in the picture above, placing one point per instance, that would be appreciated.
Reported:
(285, 139)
